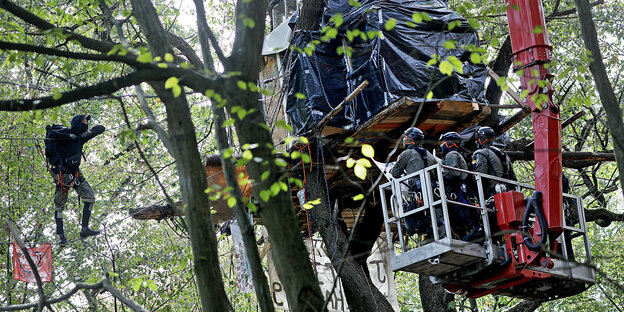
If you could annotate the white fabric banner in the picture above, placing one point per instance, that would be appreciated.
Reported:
(378, 266)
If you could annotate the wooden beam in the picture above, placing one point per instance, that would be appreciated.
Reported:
(157, 212)
(340, 106)
(513, 120)
(511, 93)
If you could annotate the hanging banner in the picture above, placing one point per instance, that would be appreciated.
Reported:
(378, 266)
(41, 256)
(243, 268)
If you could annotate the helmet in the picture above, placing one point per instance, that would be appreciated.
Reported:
(451, 136)
(485, 135)
(450, 141)
(412, 137)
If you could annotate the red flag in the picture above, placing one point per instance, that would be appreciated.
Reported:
(41, 256)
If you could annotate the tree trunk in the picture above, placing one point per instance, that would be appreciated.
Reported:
(310, 15)
(190, 170)
(359, 290)
(603, 85)
(275, 208)
(433, 297)
(260, 282)
(493, 92)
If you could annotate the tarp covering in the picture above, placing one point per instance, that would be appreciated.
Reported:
(41, 256)
(394, 63)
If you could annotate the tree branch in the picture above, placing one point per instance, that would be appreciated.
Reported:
(42, 24)
(188, 78)
(16, 235)
(73, 55)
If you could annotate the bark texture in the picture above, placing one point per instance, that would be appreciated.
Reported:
(433, 297)
(359, 290)
(603, 85)
(276, 211)
(190, 170)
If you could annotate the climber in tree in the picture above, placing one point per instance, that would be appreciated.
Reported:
(68, 152)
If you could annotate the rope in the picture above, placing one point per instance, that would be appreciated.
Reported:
(301, 148)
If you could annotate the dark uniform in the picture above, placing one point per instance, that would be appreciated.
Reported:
(68, 174)
(462, 218)
(413, 159)
(492, 161)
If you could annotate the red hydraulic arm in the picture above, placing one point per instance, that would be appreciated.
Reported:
(531, 54)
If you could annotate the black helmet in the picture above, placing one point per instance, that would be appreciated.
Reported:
(412, 137)
(451, 136)
(450, 142)
(485, 135)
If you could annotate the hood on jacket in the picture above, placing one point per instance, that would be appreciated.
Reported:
(77, 127)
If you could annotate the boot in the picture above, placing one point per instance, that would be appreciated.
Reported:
(58, 218)
(86, 215)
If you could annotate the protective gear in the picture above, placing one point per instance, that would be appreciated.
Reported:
(58, 218)
(485, 136)
(450, 142)
(86, 215)
(412, 137)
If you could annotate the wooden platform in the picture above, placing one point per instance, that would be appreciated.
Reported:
(382, 131)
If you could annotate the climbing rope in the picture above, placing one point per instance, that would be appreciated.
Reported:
(301, 149)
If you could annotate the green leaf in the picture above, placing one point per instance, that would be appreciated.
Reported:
(300, 96)
(265, 195)
(151, 285)
(168, 57)
(176, 90)
(337, 19)
(368, 150)
(252, 207)
(449, 45)
(136, 284)
(350, 162)
(358, 197)
(446, 68)
(231, 202)
(459, 66)
(416, 17)
(502, 83)
(247, 155)
(265, 175)
(355, 3)
(390, 24)
(56, 95)
(280, 162)
(171, 82)
(145, 58)
(430, 95)
(241, 85)
(475, 58)
(364, 162)
(248, 22)
(275, 188)
(538, 29)
(348, 140)
(360, 171)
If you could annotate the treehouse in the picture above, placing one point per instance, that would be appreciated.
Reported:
(533, 242)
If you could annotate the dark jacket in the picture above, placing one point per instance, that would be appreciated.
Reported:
(488, 160)
(70, 147)
(410, 161)
(456, 160)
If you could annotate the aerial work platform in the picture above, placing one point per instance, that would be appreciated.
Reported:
(486, 263)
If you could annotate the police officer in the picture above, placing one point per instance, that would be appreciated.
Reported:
(490, 160)
(462, 219)
(412, 159)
